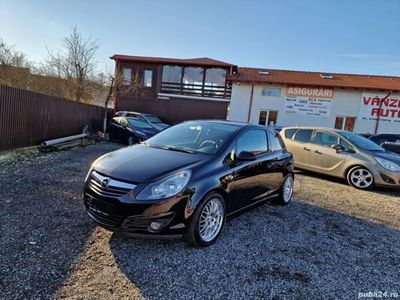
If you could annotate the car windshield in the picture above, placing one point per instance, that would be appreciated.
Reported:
(153, 119)
(361, 142)
(135, 123)
(191, 137)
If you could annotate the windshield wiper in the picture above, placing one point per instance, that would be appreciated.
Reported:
(180, 149)
(172, 148)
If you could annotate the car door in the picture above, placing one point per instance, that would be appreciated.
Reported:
(300, 147)
(324, 158)
(250, 182)
(124, 130)
(113, 128)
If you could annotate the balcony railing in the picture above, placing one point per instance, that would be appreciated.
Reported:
(198, 90)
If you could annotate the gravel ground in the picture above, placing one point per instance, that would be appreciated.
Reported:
(332, 242)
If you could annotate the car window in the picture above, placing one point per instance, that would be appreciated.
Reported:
(325, 139)
(275, 143)
(198, 136)
(303, 135)
(361, 142)
(114, 121)
(136, 123)
(346, 146)
(254, 141)
(289, 133)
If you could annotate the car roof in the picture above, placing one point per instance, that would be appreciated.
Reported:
(228, 122)
(313, 128)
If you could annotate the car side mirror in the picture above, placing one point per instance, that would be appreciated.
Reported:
(246, 156)
(338, 148)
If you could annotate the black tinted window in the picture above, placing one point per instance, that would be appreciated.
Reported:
(274, 141)
(289, 133)
(303, 135)
(254, 141)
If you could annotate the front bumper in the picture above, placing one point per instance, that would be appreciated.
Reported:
(386, 178)
(163, 218)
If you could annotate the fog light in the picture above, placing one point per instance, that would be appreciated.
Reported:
(155, 226)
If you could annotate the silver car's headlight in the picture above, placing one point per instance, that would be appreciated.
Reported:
(166, 187)
(387, 164)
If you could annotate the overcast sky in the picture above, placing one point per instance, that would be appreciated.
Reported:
(351, 36)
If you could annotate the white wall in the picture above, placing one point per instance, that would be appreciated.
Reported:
(346, 102)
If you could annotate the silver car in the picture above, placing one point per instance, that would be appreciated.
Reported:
(342, 154)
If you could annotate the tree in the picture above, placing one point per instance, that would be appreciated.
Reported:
(118, 87)
(14, 67)
(75, 62)
(10, 57)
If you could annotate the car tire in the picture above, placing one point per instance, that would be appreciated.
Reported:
(131, 140)
(360, 178)
(207, 222)
(286, 190)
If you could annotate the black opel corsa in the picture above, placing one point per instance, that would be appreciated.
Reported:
(186, 180)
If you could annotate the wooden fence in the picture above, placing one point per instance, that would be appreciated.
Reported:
(28, 118)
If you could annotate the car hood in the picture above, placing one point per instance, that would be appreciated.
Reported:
(389, 156)
(140, 163)
(147, 131)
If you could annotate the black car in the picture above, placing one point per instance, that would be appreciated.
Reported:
(129, 130)
(153, 120)
(390, 142)
(187, 179)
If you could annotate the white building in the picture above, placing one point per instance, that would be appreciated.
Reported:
(359, 103)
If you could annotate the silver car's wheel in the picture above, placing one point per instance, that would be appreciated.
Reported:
(211, 219)
(360, 178)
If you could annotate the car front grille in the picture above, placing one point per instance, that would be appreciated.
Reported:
(107, 187)
(103, 212)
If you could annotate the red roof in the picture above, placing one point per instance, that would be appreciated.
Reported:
(202, 61)
(315, 79)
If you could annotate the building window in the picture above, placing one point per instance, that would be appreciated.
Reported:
(172, 74)
(215, 82)
(345, 123)
(127, 75)
(193, 79)
(271, 92)
(148, 78)
(267, 117)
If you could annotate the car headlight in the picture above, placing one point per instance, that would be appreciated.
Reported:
(166, 187)
(387, 164)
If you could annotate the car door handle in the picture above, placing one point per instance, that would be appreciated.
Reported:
(316, 151)
(306, 149)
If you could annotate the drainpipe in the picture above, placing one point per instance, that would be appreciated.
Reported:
(251, 102)
(379, 111)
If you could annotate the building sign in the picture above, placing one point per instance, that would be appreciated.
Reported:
(372, 106)
(303, 101)
(295, 91)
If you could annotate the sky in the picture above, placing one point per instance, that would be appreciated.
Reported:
(347, 36)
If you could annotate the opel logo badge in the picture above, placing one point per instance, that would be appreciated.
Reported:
(105, 182)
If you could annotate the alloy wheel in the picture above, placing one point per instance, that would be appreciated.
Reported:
(361, 178)
(211, 219)
(288, 189)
